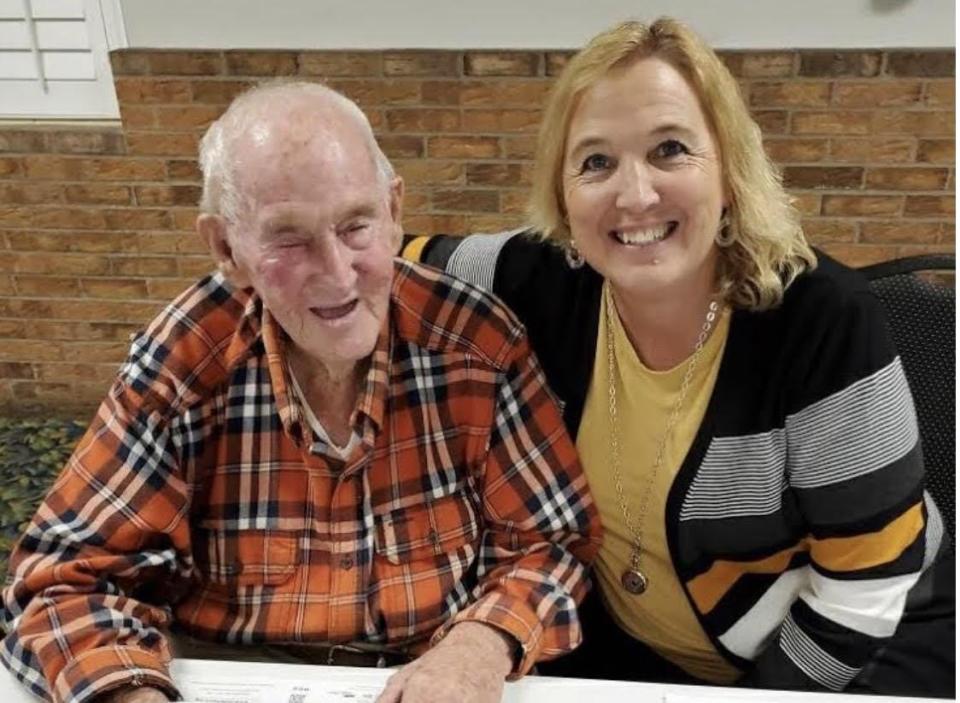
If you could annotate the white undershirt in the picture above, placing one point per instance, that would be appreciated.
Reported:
(318, 429)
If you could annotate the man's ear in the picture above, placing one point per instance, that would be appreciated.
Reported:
(396, 211)
(213, 231)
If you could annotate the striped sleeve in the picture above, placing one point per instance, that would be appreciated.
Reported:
(472, 258)
(855, 466)
(75, 627)
(543, 529)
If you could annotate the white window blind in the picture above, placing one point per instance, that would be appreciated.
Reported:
(54, 60)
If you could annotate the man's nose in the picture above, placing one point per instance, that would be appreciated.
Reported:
(636, 187)
(334, 261)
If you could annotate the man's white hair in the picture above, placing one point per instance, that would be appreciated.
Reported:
(217, 161)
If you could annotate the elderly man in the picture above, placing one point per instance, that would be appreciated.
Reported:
(318, 445)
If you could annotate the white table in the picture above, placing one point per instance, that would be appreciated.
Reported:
(191, 673)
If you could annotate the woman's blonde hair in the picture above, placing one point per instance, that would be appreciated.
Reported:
(762, 247)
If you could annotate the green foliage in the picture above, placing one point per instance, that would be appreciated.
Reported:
(32, 453)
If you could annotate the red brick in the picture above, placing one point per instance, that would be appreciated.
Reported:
(865, 205)
(340, 63)
(501, 120)
(129, 62)
(416, 201)
(436, 120)
(464, 147)
(556, 61)
(115, 288)
(185, 63)
(832, 122)
(86, 142)
(20, 349)
(796, 150)
(167, 288)
(68, 218)
(430, 172)
(467, 200)
(376, 92)
(762, 64)
(867, 151)
(820, 232)
(53, 168)
(217, 92)
(162, 144)
(505, 93)
(861, 64)
(93, 372)
(136, 219)
(435, 224)
(65, 264)
(151, 196)
(936, 151)
(498, 174)
(771, 121)
(441, 93)
(856, 255)
(47, 286)
(138, 116)
(187, 116)
(12, 369)
(195, 267)
(98, 194)
(940, 94)
(144, 266)
(93, 352)
(121, 169)
(401, 146)
(421, 63)
(807, 204)
(27, 193)
(925, 124)
(790, 94)
(877, 93)
(826, 177)
(898, 232)
(492, 224)
(15, 216)
(261, 63)
(906, 178)
(930, 206)
(183, 170)
(170, 243)
(23, 141)
(72, 241)
(923, 63)
(501, 63)
(152, 90)
(520, 147)
(513, 202)
(11, 167)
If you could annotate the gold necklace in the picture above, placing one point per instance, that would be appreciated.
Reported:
(633, 579)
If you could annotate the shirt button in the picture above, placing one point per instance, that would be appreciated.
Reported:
(346, 563)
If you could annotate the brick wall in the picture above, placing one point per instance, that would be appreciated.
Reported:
(96, 223)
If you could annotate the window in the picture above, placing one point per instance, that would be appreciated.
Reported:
(54, 61)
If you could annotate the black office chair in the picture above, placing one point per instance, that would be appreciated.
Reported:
(921, 312)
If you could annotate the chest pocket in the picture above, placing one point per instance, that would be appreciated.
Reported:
(426, 531)
(233, 558)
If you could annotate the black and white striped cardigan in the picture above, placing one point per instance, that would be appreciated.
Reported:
(798, 522)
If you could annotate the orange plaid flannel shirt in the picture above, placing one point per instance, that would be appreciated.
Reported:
(200, 496)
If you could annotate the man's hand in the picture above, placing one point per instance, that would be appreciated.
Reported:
(467, 666)
(134, 694)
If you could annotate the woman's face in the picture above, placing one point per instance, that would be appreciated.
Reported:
(642, 183)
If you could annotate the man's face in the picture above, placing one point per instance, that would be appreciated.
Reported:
(317, 235)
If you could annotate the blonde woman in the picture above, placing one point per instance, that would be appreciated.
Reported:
(743, 418)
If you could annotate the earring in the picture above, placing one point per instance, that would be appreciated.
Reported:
(725, 235)
(573, 255)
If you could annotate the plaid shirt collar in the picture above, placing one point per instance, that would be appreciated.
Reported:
(368, 416)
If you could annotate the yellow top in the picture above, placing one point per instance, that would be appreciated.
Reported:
(662, 616)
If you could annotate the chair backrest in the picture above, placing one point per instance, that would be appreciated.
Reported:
(921, 314)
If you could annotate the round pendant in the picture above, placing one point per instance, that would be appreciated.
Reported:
(634, 581)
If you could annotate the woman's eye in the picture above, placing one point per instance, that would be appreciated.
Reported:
(595, 162)
(671, 148)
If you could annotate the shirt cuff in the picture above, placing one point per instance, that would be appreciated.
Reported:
(510, 616)
(98, 671)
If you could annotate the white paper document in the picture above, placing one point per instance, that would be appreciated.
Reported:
(277, 691)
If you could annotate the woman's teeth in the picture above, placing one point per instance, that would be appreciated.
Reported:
(642, 236)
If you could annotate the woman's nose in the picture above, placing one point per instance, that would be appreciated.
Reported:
(637, 189)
